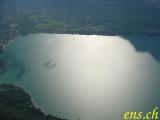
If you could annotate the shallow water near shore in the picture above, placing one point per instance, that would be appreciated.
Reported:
(86, 77)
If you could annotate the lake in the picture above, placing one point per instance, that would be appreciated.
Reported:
(86, 77)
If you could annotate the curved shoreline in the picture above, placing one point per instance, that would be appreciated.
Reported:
(19, 104)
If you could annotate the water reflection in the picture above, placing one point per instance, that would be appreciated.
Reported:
(87, 77)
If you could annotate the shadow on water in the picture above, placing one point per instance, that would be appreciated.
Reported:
(49, 64)
(149, 44)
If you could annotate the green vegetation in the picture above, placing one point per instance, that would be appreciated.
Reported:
(107, 17)
(16, 104)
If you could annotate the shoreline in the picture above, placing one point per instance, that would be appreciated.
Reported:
(21, 102)
(10, 39)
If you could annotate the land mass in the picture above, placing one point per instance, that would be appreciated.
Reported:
(16, 104)
(101, 17)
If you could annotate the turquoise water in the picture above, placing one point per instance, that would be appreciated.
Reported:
(86, 77)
